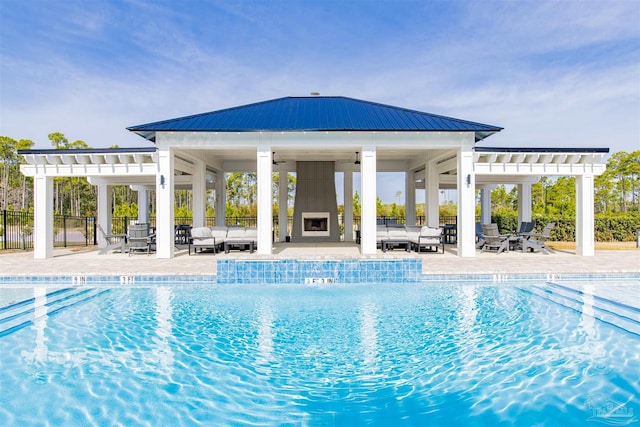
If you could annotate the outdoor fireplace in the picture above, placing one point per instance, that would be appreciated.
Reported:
(315, 224)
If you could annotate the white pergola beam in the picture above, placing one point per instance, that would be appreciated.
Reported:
(538, 169)
(89, 169)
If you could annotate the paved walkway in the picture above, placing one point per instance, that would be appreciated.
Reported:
(85, 261)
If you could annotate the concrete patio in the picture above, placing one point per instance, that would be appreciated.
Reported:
(86, 261)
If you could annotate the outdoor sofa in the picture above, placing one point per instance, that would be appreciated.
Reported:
(409, 237)
(225, 238)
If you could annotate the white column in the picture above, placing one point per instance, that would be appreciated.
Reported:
(165, 236)
(585, 239)
(466, 202)
(104, 212)
(264, 199)
(221, 199)
(485, 204)
(199, 193)
(348, 206)
(283, 204)
(432, 193)
(368, 186)
(143, 203)
(410, 198)
(43, 217)
(524, 202)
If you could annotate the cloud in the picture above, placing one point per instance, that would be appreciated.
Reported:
(549, 72)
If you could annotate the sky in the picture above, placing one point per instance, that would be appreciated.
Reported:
(551, 73)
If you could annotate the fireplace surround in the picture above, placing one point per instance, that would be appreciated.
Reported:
(316, 224)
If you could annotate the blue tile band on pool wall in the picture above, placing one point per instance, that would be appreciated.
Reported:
(320, 271)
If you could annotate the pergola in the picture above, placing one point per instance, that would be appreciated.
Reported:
(195, 152)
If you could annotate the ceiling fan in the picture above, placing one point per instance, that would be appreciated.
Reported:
(356, 162)
(277, 162)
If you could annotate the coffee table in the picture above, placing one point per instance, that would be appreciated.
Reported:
(240, 243)
(400, 242)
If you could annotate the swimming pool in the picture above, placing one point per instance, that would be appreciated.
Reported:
(316, 355)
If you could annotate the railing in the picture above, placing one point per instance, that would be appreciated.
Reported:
(16, 228)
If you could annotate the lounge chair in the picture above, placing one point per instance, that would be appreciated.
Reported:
(494, 240)
(428, 239)
(139, 238)
(526, 227)
(113, 241)
(536, 242)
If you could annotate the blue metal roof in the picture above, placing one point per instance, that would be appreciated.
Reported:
(314, 113)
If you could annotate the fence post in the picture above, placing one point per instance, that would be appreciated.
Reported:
(64, 230)
(95, 232)
(4, 229)
(86, 231)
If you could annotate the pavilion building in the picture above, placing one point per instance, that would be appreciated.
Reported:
(315, 137)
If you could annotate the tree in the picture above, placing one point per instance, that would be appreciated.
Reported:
(8, 156)
(58, 140)
(13, 183)
(501, 200)
(357, 205)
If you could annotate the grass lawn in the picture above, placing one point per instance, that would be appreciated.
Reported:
(600, 246)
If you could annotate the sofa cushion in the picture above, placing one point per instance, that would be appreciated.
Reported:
(251, 233)
(413, 231)
(430, 232)
(210, 242)
(381, 232)
(219, 232)
(397, 232)
(235, 233)
(199, 233)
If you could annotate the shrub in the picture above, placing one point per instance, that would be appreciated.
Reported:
(608, 227)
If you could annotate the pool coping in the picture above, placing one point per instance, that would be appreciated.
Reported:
(108, 279)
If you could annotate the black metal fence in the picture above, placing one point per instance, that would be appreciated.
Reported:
(16, 228)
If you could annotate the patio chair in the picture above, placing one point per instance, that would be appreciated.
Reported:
(494, 240)
(202, 238)
(536, 242)
(114, 241)
(139, 238)
(429, 239)
(526, 227)
(479, 236)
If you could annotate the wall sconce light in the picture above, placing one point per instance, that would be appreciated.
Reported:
(162, 181)
(468, 180)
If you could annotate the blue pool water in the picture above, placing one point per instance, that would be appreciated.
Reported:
(445, 354)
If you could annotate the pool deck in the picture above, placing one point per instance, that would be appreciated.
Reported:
(86, 261)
